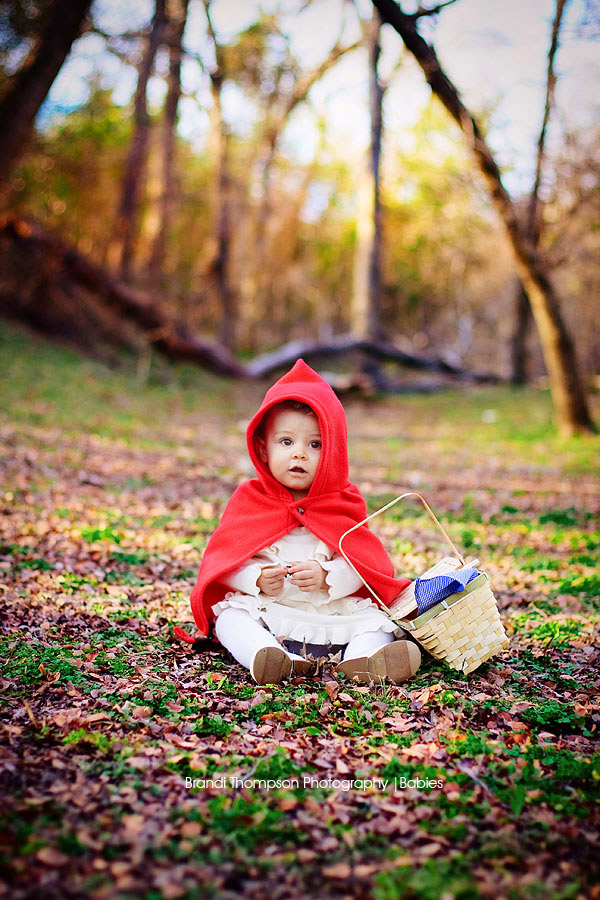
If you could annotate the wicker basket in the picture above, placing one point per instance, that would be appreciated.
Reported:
(465, 629)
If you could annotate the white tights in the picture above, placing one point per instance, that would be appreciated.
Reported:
(243, 636)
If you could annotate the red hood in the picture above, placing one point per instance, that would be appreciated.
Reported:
(304, 384)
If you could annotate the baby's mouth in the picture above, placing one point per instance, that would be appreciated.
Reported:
(298, 470)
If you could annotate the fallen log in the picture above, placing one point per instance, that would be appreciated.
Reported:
(342, 344)
(169, 337)
(366, 386)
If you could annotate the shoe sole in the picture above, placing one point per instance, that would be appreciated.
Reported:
(396, 662)
(271, 665)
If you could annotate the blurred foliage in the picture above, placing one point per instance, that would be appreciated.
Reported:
(443, 262)
(259, 59)
(69, 179)
(21, 22)
(448, 278)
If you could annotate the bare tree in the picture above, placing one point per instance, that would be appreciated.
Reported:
(280, 117)
(534, 220)
(264, 233)
(127, 223)
(177, 17)
(30, 86)
(221, 263)
(570, 405)
(366, 293)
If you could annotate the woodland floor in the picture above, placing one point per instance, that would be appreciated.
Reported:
(110, 488)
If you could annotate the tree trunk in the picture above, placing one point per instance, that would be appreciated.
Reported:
(178, 11)
(522, 319)
(366, 297)
(221, 263)
(534, 223)
(534, 212)
(129, 208)
(56, 289)
(572, 415)
(29, 87)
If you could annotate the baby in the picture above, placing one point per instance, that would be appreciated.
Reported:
(270, 570)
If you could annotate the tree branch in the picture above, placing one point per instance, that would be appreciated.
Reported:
(534, 225)
(423, 11)
(304, 85)
(121, 36)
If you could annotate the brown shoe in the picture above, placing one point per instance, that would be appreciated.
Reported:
(270, 665)
(396, 661)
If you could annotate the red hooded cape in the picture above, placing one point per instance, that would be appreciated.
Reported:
(262, 510)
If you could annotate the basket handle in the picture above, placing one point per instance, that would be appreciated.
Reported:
(378, 512)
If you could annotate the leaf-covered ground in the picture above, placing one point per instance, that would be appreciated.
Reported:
(110, 489)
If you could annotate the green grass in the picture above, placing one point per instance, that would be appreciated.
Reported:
(430, 881)
(64, 390)
(94, 738)
(30, 663)
(76, 394)
(566, 783)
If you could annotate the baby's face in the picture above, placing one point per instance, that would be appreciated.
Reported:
(292, 449)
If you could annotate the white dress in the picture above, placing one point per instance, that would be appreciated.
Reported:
(331, 615)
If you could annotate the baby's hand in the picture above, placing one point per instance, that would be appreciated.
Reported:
(308, 576)
(270, 581)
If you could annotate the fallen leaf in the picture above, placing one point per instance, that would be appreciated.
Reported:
(50, 856)
(332, 688)
(191, 829)
(133, 823)
(338, 870)
(429, 849)
(420, 751)
(119, 868)
(364, 870)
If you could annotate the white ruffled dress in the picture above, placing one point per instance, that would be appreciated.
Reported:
(327, 616)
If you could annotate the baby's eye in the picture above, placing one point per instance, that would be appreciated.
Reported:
(316, 445)
(285, 441)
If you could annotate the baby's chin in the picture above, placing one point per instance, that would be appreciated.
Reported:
(298, 491)
(299, 484)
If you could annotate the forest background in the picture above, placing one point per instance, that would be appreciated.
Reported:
(214, 157)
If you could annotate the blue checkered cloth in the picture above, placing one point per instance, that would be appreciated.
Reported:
(429, 591)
